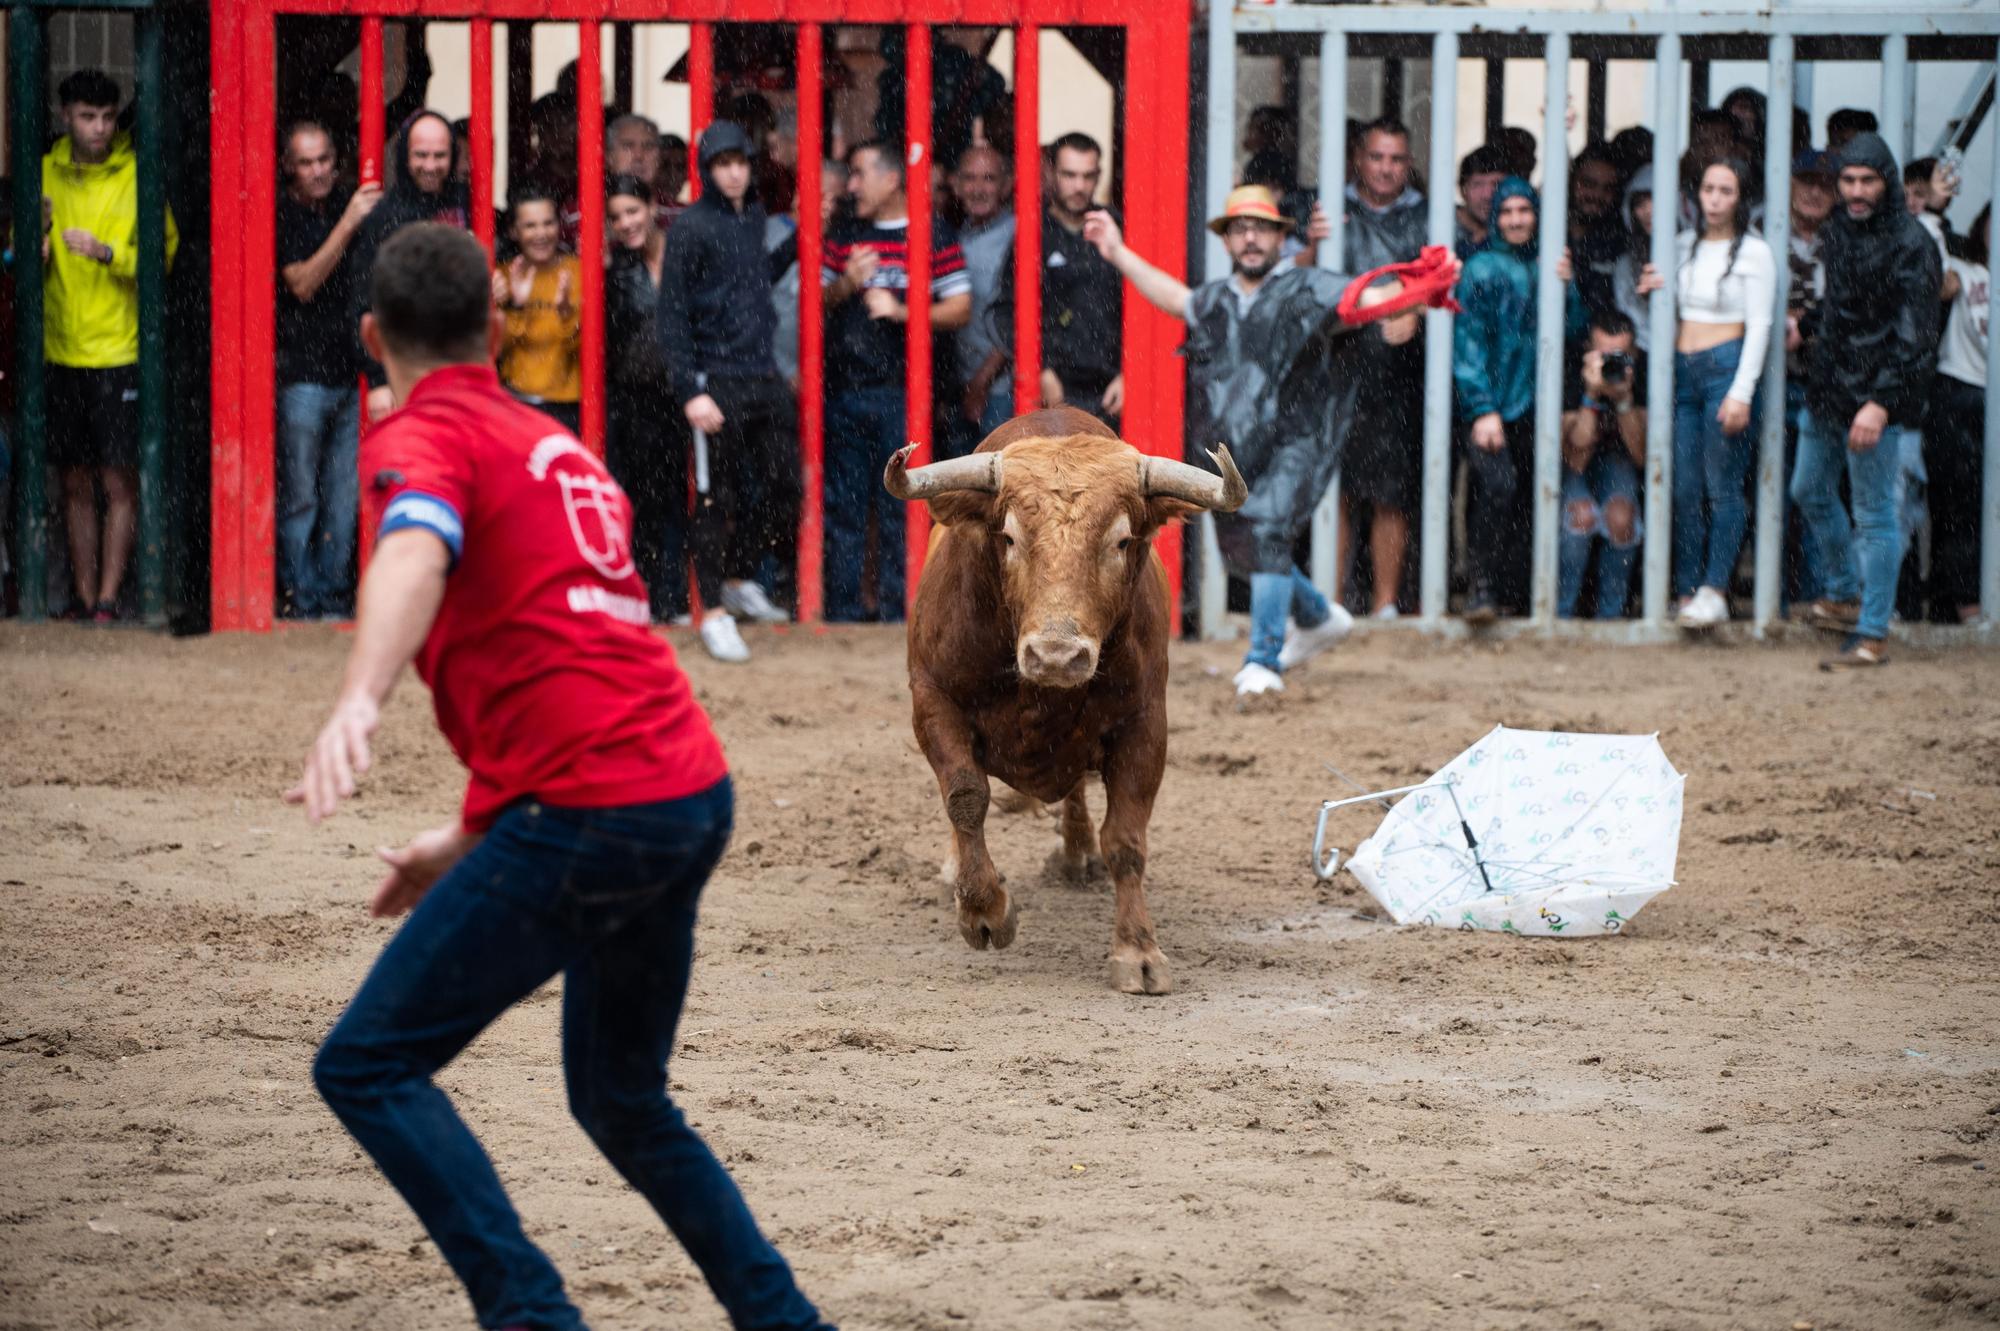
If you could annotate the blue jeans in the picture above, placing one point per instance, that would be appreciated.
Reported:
(1610, 475)
(1863, 559)
(607, 898)
(1711, 470)
(319, 493)
(863, 427)
(1273, 597)
(1807, 578)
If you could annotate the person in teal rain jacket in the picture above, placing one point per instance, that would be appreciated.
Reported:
(1493, 371)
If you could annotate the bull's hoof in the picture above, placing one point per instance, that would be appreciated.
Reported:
(1080, 872)
(992, 927)
(1140, 970)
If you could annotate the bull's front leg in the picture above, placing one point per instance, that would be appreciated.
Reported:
(986, 915)
(1133, 766)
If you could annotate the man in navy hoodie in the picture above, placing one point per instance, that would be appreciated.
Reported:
(717, 325)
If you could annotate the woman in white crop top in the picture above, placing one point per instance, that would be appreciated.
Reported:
(1725, 288)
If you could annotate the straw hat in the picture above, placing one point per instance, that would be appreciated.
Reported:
(1250, 201)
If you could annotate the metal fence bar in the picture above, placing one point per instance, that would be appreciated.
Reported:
(917, 332)
(1221, 174)
(1937, 18)
(1326, 552)
(812, 332)
(1028, 218)
(1550, 307)
(27, 56)
(1896, 95)
(1658, 600)
(1777, 230)
(152, 284)
(479, 130)
(1435, 540)
(590, 233)
(1989, 495)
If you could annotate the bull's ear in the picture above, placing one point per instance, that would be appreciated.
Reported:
(1162, 509)
(956, 508)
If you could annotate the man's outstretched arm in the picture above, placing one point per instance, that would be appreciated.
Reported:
(400, 596)
(1165, 293)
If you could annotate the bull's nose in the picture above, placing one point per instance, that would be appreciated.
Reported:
(1058, 658)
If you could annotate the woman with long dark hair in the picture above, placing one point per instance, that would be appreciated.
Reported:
(1725, 285)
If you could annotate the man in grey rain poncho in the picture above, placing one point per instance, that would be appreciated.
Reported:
(1273, 373)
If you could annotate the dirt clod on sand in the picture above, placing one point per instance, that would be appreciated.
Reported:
(1773, 1102)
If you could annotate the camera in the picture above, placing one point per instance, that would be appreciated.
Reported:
(1617, 367)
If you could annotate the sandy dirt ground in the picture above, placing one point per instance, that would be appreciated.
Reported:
(1775, 1101)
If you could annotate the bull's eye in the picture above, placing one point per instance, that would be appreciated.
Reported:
(1008, 539)
(1125, 544)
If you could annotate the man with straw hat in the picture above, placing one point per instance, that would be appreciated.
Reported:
(1273, 373)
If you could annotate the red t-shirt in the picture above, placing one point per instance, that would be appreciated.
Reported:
(543, 667)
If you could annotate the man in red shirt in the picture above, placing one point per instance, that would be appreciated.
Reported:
(598, 804)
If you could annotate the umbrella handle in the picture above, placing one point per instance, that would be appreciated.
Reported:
(1325, 865)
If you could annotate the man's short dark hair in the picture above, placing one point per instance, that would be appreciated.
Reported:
(431, 293)
(88, 87)
(1613, 323)
(1383, 125)
(296, 128)
(1599, 153)
(888, 154)
(1918, 172)
(1851, 120)
(1076, 142)
(1485, 160)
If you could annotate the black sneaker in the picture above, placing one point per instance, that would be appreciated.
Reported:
(1480, 608)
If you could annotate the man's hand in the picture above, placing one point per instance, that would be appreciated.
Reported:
(359, 204)
(79, 241)
(337, 757)
(1866, 431)
(1794, 339)
(1593, 375)
(1488, 434)
(1651, 281)
(861, 264)
(1114, 396)
(703, 414)
(1100, 230)
(1733, 416)
(1564, 269)
(1052, 389)
(499, 287)
(881, 303)
(412, 870)
(1944, 185)
(565, 300)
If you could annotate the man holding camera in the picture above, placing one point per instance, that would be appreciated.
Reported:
(1604, 450)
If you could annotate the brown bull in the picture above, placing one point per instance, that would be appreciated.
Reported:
(1038, 652)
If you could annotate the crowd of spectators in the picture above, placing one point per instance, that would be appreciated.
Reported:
(1885, 333)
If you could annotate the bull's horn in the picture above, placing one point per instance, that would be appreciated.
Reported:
(975, 471)
(1178, 480)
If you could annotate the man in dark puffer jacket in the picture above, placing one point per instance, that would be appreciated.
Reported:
(717, 325)
(1873, 353)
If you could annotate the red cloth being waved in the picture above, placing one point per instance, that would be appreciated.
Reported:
(543, 668)
(1427, 280)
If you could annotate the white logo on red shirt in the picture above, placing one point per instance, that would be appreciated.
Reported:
(596, 508)
(548, 450)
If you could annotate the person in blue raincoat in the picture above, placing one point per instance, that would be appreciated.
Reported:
(1493, 370)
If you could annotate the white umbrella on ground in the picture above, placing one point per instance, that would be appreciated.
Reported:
(1528, 832)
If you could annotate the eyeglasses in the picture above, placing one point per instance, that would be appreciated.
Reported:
(1251, 226)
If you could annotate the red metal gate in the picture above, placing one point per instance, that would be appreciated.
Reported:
(245, 174)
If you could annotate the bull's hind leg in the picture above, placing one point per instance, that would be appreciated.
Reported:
(986, 915)
(1078, 862)
(1132, 772)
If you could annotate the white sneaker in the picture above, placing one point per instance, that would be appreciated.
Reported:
(1254, 681)
(1705, 610)
(748, 600)
(1302, 645)
(719, 635)
(681, 621)
(1388, 612)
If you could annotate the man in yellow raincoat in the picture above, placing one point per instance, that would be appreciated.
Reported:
(90, 180)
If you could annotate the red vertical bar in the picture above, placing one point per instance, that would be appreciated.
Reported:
(701, 97)
(812, 332)
(371, 100)
(226, 290)
(590, 240)
(259, 493)
(480, 132)
(917, 331)
(1156, 65)
(1028, 218)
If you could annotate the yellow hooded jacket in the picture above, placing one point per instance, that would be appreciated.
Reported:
(91, 318)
